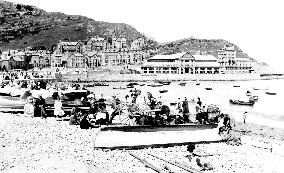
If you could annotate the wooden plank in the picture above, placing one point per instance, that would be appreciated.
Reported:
(148, 164)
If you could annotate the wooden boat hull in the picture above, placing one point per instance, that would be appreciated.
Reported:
(238, 102)
(163, 91)
(270, 93)
(137, 137)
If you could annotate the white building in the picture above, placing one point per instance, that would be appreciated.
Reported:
(181, 63)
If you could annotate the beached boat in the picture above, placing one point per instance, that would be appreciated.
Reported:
(163, 91)
(270, 93)
(182, 83)
(117, 137)
(242, 102)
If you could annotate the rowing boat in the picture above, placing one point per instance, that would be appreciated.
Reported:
(137, 137)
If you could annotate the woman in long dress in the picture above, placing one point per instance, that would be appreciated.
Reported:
(58, 112)
(29, 107)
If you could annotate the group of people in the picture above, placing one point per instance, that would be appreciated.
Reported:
(154, 113)
(35, 106)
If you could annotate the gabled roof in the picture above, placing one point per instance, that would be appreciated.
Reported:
(172, 57)
(64, 43)
(204, 58)
(96, 39)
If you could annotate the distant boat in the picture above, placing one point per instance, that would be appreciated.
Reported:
(197, 83)
(236, 86)
(270, 93)
(101, 84)
(182, 83)
(255, 88)
(164, 82)
(133, 83)
(163, 91)
(142, 84)
(129, 86)
(242, 102)
(208, 88)
(121, 88)
(88, 85)
(155, 84)
(254, 98)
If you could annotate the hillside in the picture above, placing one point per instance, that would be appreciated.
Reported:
(24, 25)
(202, 45)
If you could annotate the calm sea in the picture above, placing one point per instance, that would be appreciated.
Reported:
(268, 106)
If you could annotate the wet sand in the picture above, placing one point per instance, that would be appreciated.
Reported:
(37, 145)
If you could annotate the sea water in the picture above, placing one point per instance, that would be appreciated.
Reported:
(268, 106)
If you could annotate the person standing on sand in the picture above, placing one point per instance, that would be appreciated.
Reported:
(58, 112)
(185, 110)
(199, 103)
(29, 107)
(245, 116)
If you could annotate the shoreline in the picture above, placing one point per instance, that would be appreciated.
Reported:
(36, 145)
(163, 77)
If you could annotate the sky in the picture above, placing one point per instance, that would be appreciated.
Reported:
(256, 26)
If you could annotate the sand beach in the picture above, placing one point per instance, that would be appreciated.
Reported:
(39, 145)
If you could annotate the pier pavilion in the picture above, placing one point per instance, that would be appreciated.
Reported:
(181, 63)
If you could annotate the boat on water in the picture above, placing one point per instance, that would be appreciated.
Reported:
(101, 84)
(164, 82)
(236, 86)
(242, 102)
(208, 88)
(88, 85)
(155, 84)
(121, 88)
(163, 91)
(182, 83)
(132, 83)
(197, 83)
(142, 84)
(259, 88)
(254, 98)
(129, 86)
(270, 93)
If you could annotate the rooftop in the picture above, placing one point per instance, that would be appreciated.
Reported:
(173, 56)
(204, 58)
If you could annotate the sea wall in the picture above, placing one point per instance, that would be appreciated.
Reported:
(112, 77)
